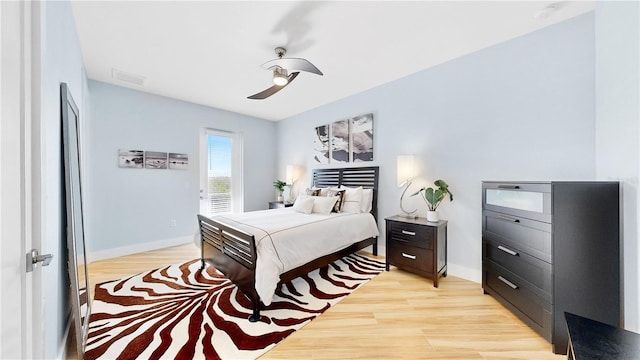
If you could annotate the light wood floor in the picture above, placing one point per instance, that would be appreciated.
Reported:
(397, 315)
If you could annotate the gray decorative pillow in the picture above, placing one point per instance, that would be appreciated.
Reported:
(312, 192)
(340, 194)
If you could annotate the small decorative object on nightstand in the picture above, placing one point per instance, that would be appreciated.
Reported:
(279, 185)
(279, 204)
(418, 246)
(433, 198)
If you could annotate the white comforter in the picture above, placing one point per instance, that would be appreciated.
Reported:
(286, 239)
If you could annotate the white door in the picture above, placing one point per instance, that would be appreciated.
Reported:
(220, 172)
(20, 291)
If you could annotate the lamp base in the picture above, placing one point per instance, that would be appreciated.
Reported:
(405, 213)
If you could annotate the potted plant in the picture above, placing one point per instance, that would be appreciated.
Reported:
(279, 185)
(433, 198)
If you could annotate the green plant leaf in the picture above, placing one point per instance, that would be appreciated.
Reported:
(441, 184)
(417, 192)
(279, 184)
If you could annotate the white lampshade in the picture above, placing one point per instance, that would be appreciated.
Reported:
(291, 174)
(406, 168)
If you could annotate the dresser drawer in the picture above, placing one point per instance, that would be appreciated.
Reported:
(406, 256)
(529, 200)
(517, 293)
(533, 237)
(531, 269)
(412, 234)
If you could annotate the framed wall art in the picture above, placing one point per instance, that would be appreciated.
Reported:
(361, 138)
(321, 145)
(340, 141)
(178, 161)
(344, 141)
(130, 158)
(155, 160)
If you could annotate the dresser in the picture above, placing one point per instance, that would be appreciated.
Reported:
(550, 248)
(418, 246)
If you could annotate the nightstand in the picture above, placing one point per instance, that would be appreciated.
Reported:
(279, 204)
(418, 246)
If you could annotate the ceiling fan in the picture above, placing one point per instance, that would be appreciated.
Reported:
(281, 76)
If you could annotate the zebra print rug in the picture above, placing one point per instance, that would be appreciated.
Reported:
(181, 312)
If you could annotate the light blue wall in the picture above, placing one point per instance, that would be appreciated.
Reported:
(520, 110)
(131, 207)
(617, 40)
(61, 62)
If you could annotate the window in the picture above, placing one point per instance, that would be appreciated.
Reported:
(221, 184)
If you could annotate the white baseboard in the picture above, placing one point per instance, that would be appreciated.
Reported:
(137, 248)
(464, 272)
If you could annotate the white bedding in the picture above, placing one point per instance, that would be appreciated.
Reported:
(286, 239)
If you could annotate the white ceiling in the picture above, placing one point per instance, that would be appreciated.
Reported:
(210, 52)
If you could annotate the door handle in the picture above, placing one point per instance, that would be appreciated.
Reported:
(33, 258)
(412, 257)
(408, 232)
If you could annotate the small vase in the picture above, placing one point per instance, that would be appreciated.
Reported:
(432, 216)
(280, 198)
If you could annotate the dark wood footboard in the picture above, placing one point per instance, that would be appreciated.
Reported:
(233, 253)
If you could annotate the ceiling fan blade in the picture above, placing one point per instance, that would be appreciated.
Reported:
(272, 90)
(293, 64)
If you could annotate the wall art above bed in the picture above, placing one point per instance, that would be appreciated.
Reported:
(138, 159)
(343, 141)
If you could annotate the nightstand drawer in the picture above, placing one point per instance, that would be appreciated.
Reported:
(411, 234)
(531, 236)
(403, 255)
(529, 268)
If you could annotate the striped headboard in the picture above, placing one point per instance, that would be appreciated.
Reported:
(367, 177)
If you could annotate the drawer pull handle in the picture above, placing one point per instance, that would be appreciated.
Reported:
(509, 218)
(408, 232)
(412, 257)
(508, 251)
(509, 283)
(514, 187)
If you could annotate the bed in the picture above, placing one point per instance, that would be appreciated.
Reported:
(239, 246)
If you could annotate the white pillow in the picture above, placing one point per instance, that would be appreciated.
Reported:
(303, 204)
(367, 200)
(324, 204)
(352, 200)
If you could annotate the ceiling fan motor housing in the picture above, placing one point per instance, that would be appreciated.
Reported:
(280, 51)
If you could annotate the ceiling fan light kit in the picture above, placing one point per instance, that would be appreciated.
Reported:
(281, 76)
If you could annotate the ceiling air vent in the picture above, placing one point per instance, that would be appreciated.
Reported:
(127, 77)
